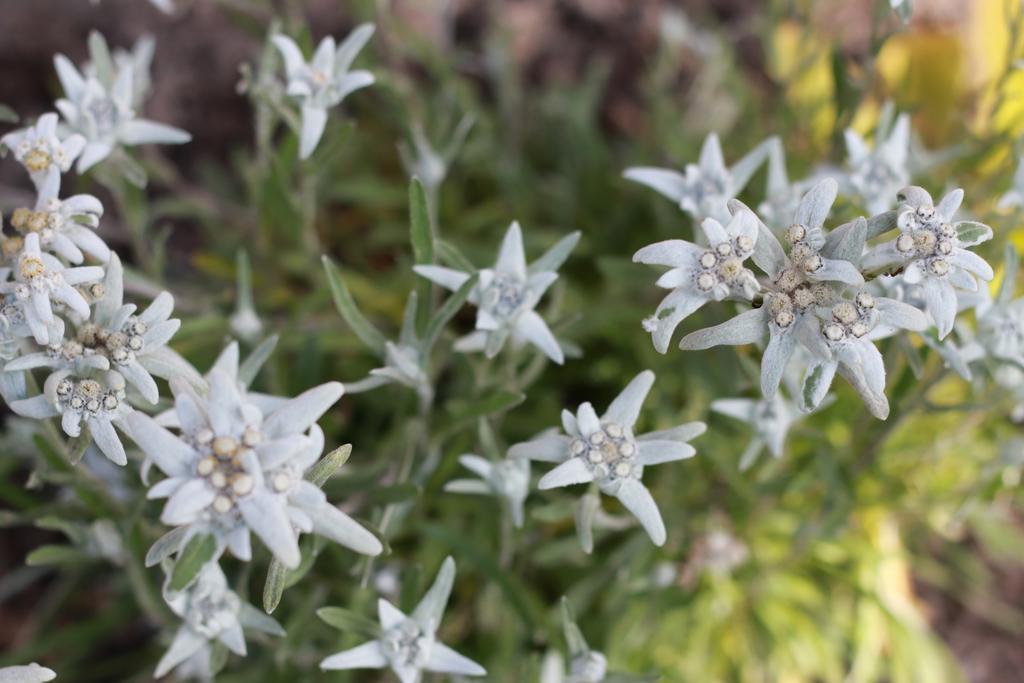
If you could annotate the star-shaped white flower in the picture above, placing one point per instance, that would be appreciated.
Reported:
(508, 479)
(605, 450)
(933, 249)
(31, 673)
(798, 282)
(66, 227)
(704, 189)
(701, 274)
(45, 155)
(408, 644)
(770, 418)
(41, 282)
(102, 109)
(324, 81)
(211, 612)
(507, 294)
(876, 175)
(238, 465)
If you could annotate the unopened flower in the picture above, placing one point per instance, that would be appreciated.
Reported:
(324, 81)
(506, 296)
(101, 108)
(770, 418)
(98, 402)
(508, 479)
(933, 249)
(235, 468)
(31, 673)
(605, 450)
(210, 612)
(876, 175)
(704, 189)
(408, 644)
(701, 274)
(45, 155)
(41, 282)
(798, 282)
(67, 227)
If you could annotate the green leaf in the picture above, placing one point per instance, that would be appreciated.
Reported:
(971, 233)
(255, 361)
(554, 257)
(193, 557)
(574, 639)
(8, 115)
(54, 554)
(421, 232)
(79, 445)
(273, 588)
(218, 657)
(346, 305)
(325, 468)
(847, 242)
(1009, 282)
(348, 621)
(451, 255)
(881, 224)
(447, 312)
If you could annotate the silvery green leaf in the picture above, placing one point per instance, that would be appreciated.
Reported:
(346, 305)
(200, 549)
(325, 468)
(254, 362)
(585, 513)
(746, 328)
(451, 255)
(273, 587)
(1007, 286)
(574, 639)
(420, 230)
(250, 617)
(816, 203)
(847, 241)
(553, 258)
(447, 311)
(165, 546)
(971, 233)
(349, 622)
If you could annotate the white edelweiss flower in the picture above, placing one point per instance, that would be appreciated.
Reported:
(1014, 197)
(876, 175)
(932, 248)
(507, 294)
(102, 109)
(797, 283)
(98, 402)
(585, 664)
(771, 419)
(210, 612)
(45, 155)
(32, 673)
(116, 338)
(40, 282)
(66, 227)
(1001, 319)
(704, 189)
(404, 362)
(604, 450)
(238, 465)
(324, 81)
(844, 345)
(508, 479)
(408, 644)
(701, 274)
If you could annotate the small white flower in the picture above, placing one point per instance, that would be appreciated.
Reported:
(506, 296)
(508, 479)
(701, 274)
(324, 81)
(430, 165)
(66, 227)
(102, 109)
(44, 154)
(98, 402)
(238, 465)
(876, 175)
(605, 450)
(408, 644)
(41, 282)
(210, 612)
(845, 345)
(933, 249)
(1001, 320)
(798, 281)
(32, 673)
(771, 419)
(704, 189)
